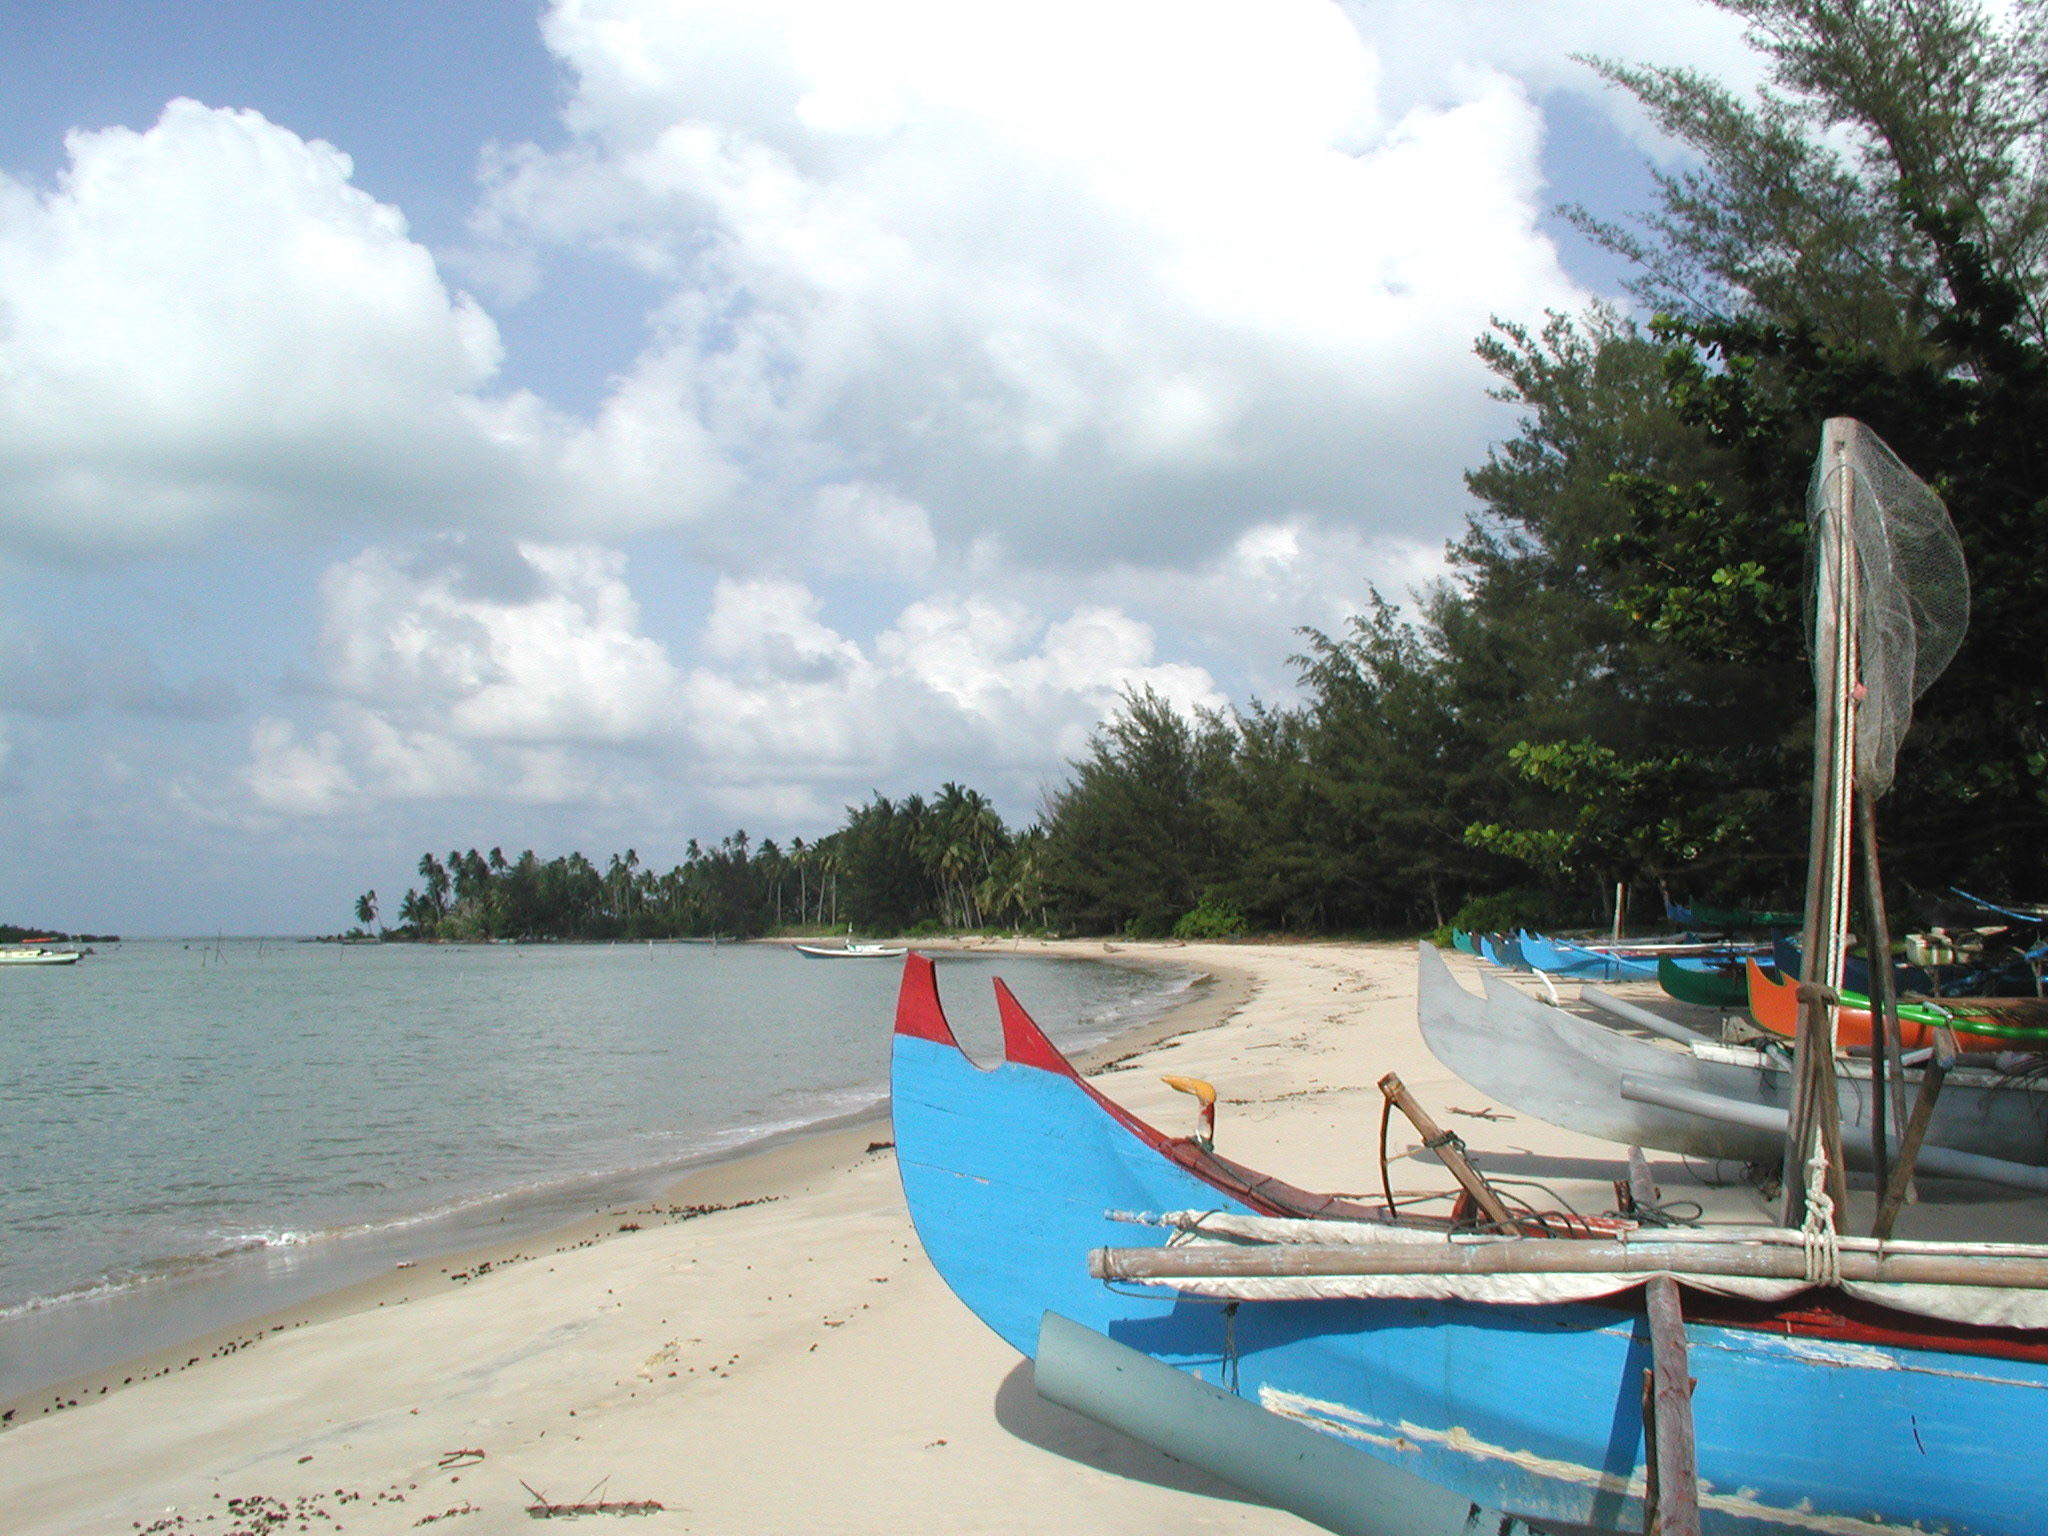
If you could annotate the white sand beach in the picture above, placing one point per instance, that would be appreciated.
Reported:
(789, 1364)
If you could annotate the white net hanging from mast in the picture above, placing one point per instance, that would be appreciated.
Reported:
(1891, 600)
(1908, 591)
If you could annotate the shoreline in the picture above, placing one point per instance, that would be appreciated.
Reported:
(791, 1364)
(770, 1168)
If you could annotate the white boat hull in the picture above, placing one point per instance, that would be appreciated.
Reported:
(852, 952)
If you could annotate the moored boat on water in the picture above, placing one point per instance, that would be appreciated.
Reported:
(22, 955)
(852, 950)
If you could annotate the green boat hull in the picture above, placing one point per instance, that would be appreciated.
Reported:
(1709, 989)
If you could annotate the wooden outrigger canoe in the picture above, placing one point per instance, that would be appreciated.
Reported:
(1980, 1023)
(1560, 958)
(1703, 983)
(1571, 1071)
(1428, 1416)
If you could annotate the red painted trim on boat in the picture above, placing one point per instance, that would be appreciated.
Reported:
(918, 1011)
(1849, 1320)
(920, 1014)
(1024, 1043)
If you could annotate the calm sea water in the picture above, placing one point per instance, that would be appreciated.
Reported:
(195, 1132)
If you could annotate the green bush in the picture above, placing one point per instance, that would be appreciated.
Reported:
(1502, 913)
(1213, 919)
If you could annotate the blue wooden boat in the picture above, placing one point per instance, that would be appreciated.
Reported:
(1560, 958)
(1906, 979)
(1503, 951)
(1464, 942)
(1819, 1415)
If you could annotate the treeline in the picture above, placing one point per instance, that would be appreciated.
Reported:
(14, 933)
(1612, 683)
(895, 866)
(729, 890)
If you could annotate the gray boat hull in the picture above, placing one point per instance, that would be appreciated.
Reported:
(1565, 1069)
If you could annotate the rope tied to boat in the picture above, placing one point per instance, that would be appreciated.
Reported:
(1817, 1231)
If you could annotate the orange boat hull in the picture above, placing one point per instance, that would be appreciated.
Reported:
(1774, 1004)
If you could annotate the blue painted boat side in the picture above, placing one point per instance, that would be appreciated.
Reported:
(1502, 951)
(1010, 1171)
(1562, 958)
(1545, 954)
(1785, 952)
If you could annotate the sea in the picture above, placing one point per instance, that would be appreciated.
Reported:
(196, 1132)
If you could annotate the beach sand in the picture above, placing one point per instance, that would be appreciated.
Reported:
(784, 1360)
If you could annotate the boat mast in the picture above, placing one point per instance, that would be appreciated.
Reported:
(1816, 1125)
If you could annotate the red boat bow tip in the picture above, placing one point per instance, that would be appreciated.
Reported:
(918, 1012)
(1024, 1043)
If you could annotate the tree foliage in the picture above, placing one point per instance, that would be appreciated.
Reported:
(1869, 238)
(893, 867)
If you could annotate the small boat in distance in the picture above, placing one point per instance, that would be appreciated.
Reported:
(23, 955)
(853, 951)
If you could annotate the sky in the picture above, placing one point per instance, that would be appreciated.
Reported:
(611, 422)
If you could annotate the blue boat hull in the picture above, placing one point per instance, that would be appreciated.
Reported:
(1805, 1421)
(1560, 959)
(1502, 951)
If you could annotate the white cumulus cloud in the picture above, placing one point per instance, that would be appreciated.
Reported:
(474, 670)
(1113, 279)
(298, 777)
(981, 685)
(205, 324)
(512, 643)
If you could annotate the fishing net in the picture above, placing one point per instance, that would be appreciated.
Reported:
(1903, 588)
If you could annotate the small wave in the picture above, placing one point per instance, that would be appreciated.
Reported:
(247, 1242)
(1142, 1008)
(159, 1270)
(96, 1291)
(621, 1180)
